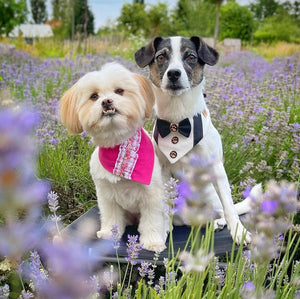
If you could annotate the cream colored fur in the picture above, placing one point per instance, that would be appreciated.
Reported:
(120, 200)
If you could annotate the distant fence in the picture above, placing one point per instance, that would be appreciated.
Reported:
(228, 45)
(98, 44)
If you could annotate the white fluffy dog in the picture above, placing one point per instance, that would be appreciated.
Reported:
(111, 105)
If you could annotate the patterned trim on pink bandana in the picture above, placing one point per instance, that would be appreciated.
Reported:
(128, 156)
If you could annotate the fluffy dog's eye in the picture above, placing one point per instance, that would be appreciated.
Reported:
(119, 91)
(191, 58)
(94, 97)
(160, 58)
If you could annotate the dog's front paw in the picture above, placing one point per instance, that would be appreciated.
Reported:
(104, 234)
(156, 247)
(219, 224)
(240, 234)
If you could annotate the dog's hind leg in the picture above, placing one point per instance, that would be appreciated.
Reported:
(244, 206)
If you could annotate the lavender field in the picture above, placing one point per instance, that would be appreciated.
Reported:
(255, 105)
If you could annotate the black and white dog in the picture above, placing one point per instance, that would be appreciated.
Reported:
(183, 121)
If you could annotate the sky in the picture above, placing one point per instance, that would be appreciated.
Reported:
(109, 10)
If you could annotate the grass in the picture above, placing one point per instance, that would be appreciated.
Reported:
(125, 46)
(269, 51)
(66, 166)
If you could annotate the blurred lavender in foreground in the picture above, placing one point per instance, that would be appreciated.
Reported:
(66, 268)
(270, 217)
(194, 191)
(21, 194)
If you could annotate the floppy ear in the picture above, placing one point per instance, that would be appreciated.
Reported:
(145, 55)
(206, 53)
(147, 93)
(68, 113)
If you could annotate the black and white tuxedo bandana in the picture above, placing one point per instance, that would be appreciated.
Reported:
(176, 139)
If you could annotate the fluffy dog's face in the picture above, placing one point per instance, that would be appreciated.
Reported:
(176, 63)
(109, 104)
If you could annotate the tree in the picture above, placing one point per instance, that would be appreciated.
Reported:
(194, 18)
(218, 4)
(12, 13)
(236, 22)
(74, 16)
(38, 11)
(264, 8)
(138, 1)
(83, 18)
(279, 27)
(133, 18)
(59, 9)
(158, 16)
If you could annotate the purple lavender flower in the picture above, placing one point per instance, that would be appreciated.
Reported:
(144, 269)
(52, 201)
(4, 291)
(26, 295)
(269, 206)
(133, 249)
(249, 286)
(116, 236)
(193, 195)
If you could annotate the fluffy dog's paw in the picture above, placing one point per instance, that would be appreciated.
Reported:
(104, 234)
(219, 224)
(156, 247)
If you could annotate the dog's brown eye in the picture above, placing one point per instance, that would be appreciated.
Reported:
(160, 58)
(119, 91)
(191, 58)
(94, 97)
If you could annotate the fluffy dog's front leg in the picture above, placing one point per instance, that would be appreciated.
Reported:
(110, 214)
(152, 228)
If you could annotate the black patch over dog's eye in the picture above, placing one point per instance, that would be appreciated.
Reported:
(191, 58)
(94, 97)
(160, 58)
(119, 91)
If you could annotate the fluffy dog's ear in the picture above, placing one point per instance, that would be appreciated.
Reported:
(145, 55)
(206, 53)
(68, 113)
(147, 93)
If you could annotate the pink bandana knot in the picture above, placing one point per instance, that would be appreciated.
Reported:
(133, 159)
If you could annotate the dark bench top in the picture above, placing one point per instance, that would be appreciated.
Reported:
(222, 240)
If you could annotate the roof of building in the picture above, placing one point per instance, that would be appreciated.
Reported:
(32, 31)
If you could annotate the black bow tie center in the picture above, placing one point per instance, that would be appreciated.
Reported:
(164, 127)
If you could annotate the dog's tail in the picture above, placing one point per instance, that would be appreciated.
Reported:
(244, 206)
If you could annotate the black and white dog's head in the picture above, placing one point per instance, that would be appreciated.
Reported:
(176, 63)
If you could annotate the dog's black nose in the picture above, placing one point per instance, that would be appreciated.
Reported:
(107, 103)
(174, 75)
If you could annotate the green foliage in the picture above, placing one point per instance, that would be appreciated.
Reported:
(236, 22)
(264, 8)
(159, 22)
(83, 17)
(12, 13)
(194, 18)
(38, 11)
(67, 168)
(280, 27)
(133, 18)
(73, 18)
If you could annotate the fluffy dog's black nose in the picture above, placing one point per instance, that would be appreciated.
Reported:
(107, 103)
(174, 75)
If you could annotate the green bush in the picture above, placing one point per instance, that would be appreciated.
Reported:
(236, 22)
(279, 27)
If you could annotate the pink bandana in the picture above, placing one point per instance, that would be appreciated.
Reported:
(133, 159)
